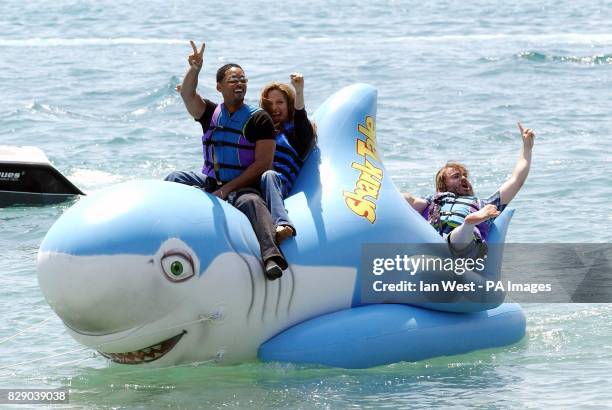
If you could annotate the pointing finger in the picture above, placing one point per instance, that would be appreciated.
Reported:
(520, 127)
(202, 49)
(193, 46)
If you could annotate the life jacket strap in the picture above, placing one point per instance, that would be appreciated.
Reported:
(291, 154)
(451, 213)
(228, 144)
(288, 164)
(222, 128)
(223, 165)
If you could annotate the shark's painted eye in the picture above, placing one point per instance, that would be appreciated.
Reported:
(177, 266)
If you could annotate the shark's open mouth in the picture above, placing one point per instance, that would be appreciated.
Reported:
(146, 355)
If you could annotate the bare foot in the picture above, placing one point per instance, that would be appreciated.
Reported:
(487, 212)
(283, 232)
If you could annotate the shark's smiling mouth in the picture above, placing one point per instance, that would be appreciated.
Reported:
(146, 355)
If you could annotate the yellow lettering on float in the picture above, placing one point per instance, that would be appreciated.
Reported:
(368, 171)
(360, 206)
(369, 130)
(364, 148)
(367, 188)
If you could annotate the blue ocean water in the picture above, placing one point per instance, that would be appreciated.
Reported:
(92, 84)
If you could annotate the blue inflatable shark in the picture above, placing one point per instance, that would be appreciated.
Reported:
(158, 273)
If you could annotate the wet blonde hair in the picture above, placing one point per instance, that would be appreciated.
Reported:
(440, 177)
(287, 92)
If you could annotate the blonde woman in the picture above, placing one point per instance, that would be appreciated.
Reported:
(294, 140)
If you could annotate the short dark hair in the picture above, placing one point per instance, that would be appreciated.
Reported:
(221, 71)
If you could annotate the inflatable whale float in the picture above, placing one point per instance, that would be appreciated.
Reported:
(158, 273)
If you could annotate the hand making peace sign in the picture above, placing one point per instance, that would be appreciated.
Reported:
(196, 59)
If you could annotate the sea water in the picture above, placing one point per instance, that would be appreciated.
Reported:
(93, 84)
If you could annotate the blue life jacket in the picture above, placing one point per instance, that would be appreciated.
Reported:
(227, 152)
(287, 162)
(448, 210)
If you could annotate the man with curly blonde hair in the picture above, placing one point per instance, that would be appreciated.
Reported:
(458, 215)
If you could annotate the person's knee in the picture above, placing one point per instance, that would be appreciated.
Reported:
(247, 201)
(269, 180)
(174, 176)
(270, 176)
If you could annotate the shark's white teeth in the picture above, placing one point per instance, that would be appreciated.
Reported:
(148, 354)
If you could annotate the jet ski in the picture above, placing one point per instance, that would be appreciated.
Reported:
(27, 177)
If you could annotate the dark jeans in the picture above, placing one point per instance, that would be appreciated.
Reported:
(274, 191)
(249, 202)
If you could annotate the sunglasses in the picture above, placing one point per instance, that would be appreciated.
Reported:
(236, 80)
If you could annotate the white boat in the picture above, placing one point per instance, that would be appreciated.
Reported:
(27, 177)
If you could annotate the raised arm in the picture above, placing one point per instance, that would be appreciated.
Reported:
(510, 188)
(418, 204)
(297, 81)
(303, 138)
(193, 102)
